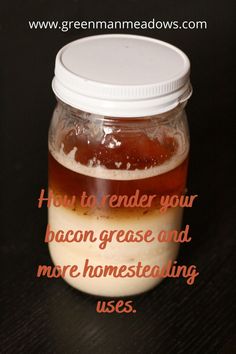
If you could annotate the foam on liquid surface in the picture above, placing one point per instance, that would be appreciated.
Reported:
(99, 171)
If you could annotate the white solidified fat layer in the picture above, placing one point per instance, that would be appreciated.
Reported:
(99, 171)
(115, 253)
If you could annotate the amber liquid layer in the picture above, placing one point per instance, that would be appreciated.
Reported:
(64, 181)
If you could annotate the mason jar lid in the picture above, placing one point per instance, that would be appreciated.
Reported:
(122, 75)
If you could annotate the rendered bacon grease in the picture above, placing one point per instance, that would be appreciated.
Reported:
(100, 144)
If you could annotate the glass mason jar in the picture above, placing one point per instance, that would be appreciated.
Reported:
(123, 135)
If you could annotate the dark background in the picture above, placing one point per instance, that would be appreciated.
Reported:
(42, 315)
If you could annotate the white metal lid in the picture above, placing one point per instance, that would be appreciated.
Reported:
(121, 75)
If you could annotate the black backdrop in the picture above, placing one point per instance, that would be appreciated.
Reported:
(47, 316)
